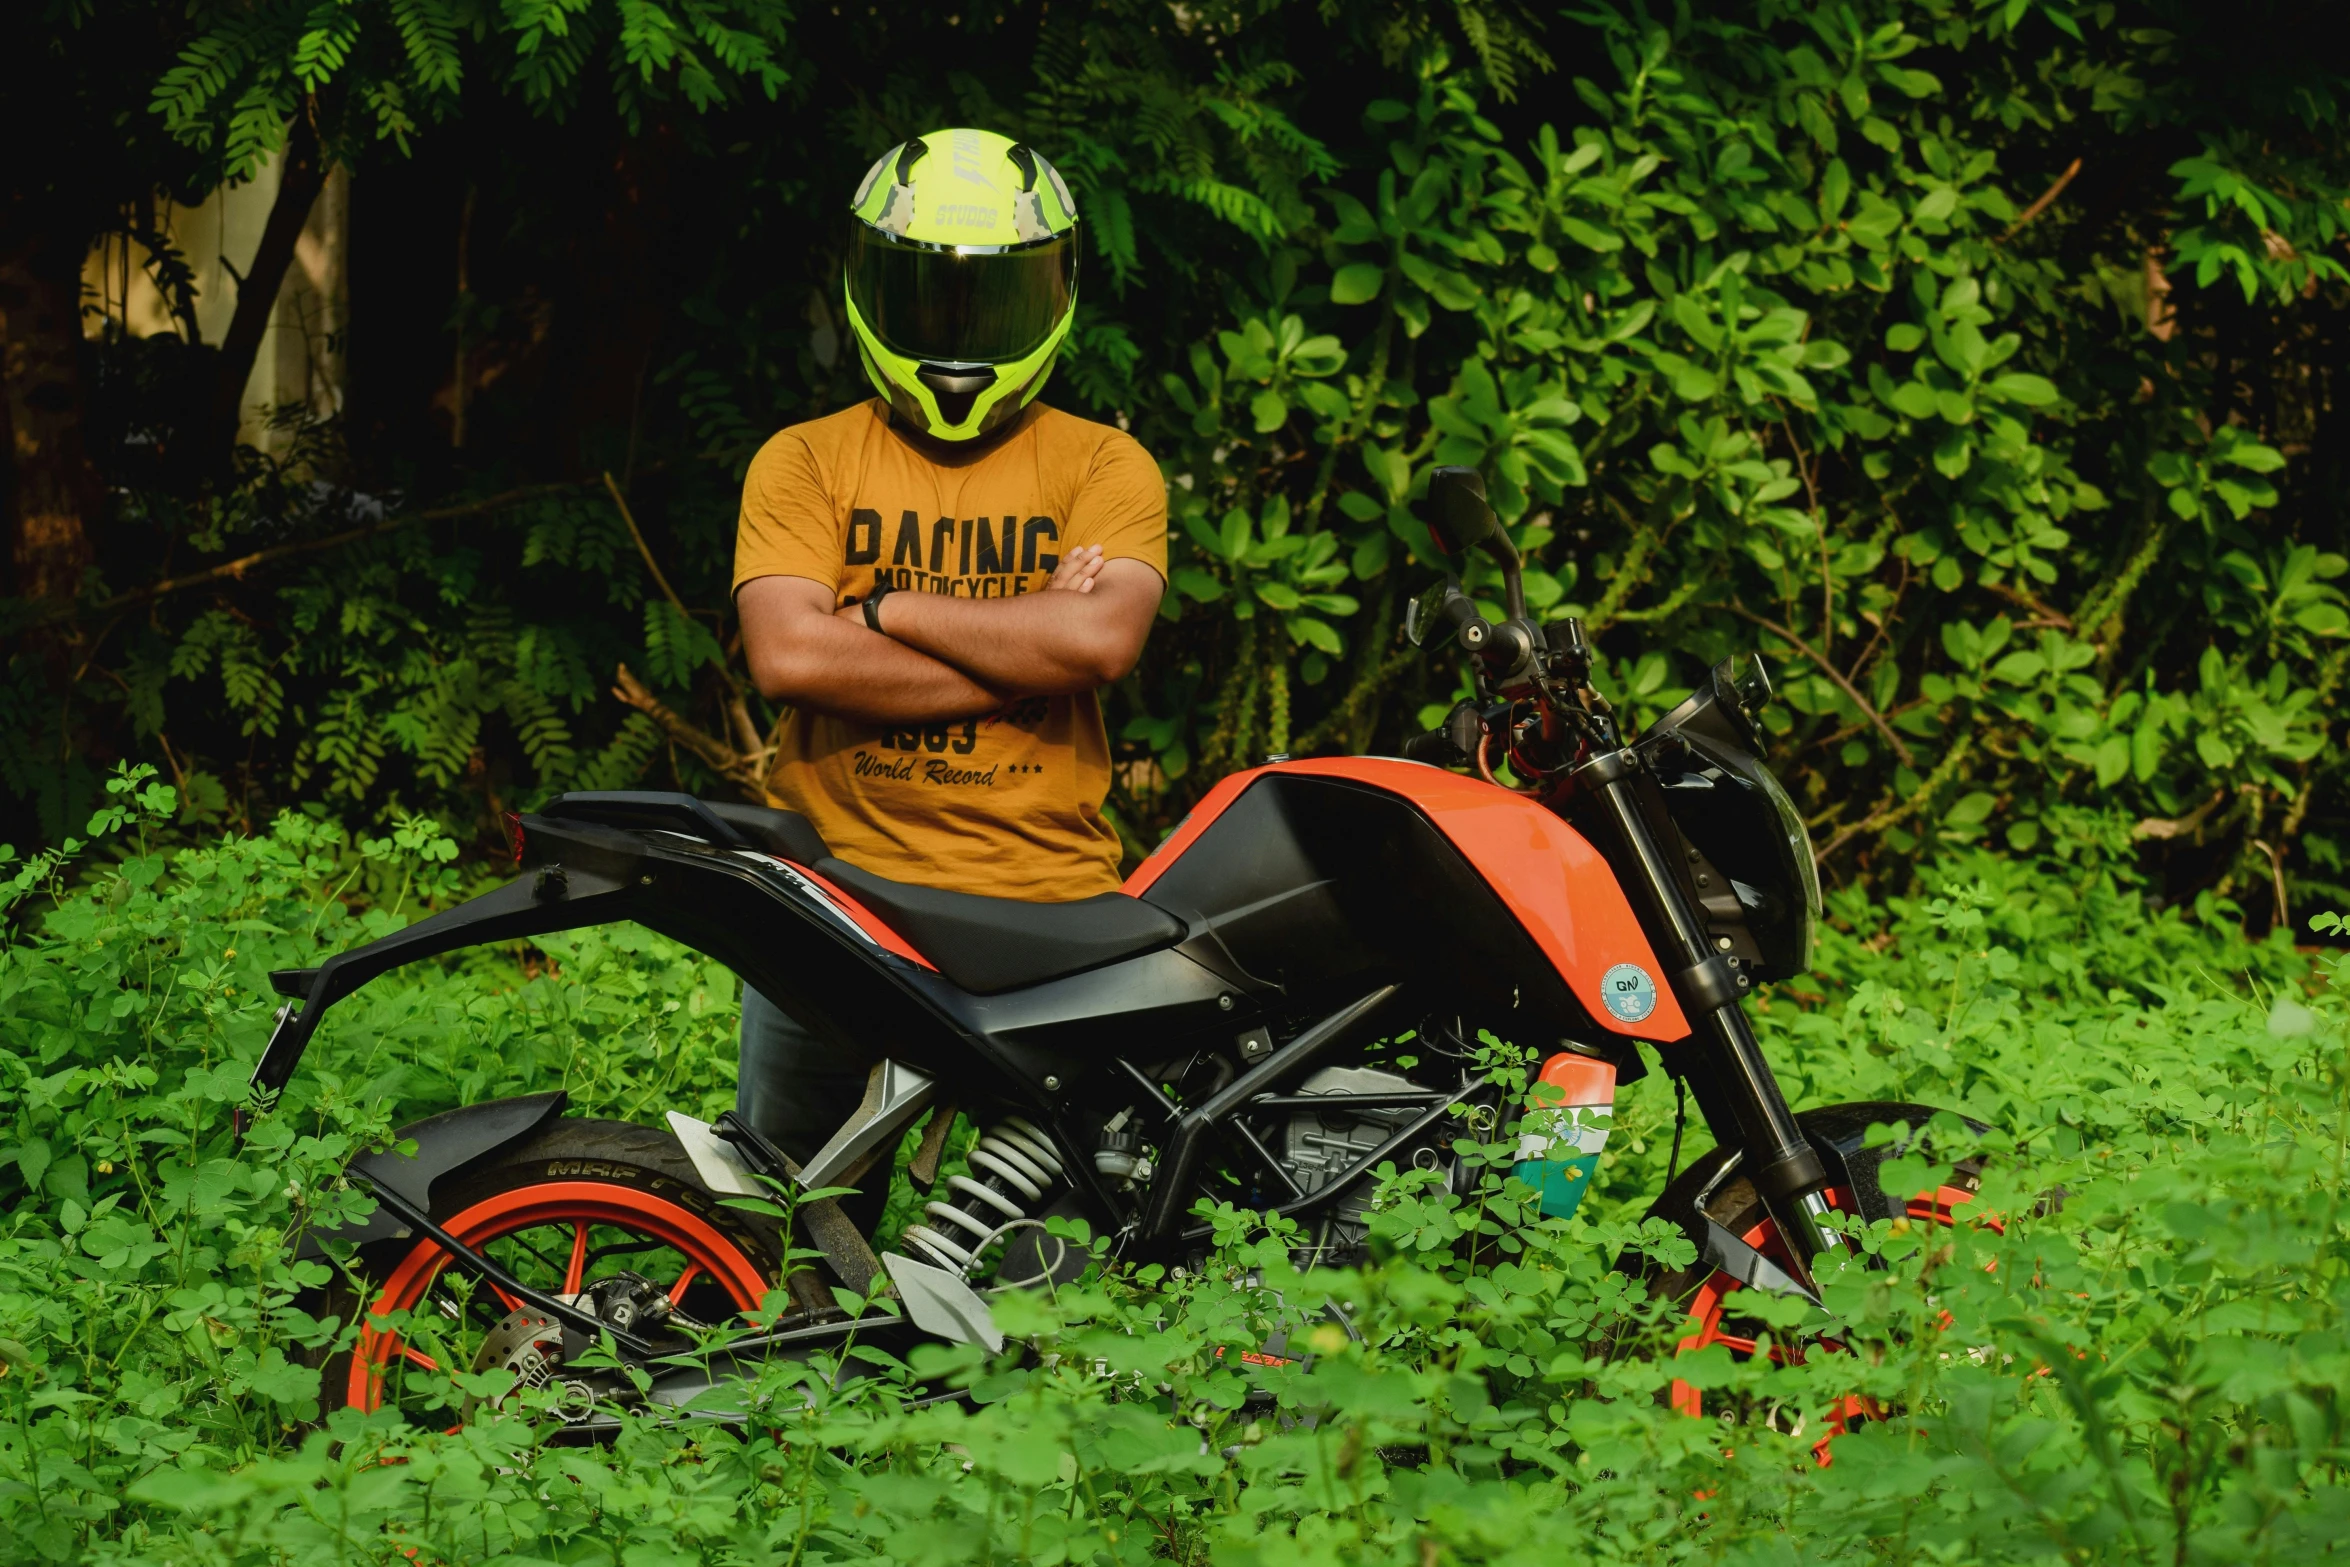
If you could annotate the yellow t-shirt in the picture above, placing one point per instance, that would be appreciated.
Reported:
(1010, 804)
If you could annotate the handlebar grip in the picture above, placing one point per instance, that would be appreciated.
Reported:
(1435, 748)
(1471, 628)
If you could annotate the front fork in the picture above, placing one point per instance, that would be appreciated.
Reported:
(1735, 1089)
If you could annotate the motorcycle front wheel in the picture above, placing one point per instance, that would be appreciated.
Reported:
(1711, 1298)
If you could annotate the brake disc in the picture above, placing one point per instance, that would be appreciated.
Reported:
(525, 1342)
(529, 1343)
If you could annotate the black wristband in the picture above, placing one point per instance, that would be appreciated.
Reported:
(873, 606)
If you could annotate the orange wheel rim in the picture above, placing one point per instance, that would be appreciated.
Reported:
(1707, 1309)
(709, 1253)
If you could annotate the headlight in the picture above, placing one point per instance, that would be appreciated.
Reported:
(1807, 865)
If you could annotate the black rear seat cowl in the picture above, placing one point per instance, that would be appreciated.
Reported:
(984, 945)
(785, 834)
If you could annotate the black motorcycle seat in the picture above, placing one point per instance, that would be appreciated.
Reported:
(987, 945)
(984, 945)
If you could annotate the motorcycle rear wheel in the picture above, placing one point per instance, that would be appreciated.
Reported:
(579, 1202)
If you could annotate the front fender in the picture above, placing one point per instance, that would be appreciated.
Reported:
(446, 1144)
(1839, 1135)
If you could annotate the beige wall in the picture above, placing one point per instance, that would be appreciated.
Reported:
(301, 358)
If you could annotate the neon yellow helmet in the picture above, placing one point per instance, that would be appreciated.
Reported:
(961, 278)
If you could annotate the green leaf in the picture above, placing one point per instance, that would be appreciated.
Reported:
(1357, 283)
(1313, 633)
(1590, 236)
(1270, 410)
(2019, 669)
(2019, 387)
(1196, 584)
(1234, 540)
(2252, 455)
(191, 1489)
(1939, 204)
(2113, 760)
(1954, 453)
(1278, 595)
(1970, 810)
(1695, 384)
(1913, 398)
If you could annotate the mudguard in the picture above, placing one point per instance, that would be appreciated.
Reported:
(1839, 1135)
(446, 1144)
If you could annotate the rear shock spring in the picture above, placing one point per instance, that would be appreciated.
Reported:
(1020, 1170)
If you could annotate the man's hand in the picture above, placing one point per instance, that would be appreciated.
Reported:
(943, 657)
(1085, 630)
(803, 651)
(1074, 574)
(1077, 570)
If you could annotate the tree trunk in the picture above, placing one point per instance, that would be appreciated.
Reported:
(299, 183)
(51, 503)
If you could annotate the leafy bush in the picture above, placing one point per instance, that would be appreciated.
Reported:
(1974, 361)
(2154, 1369)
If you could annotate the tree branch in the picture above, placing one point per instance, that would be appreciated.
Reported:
(642, 548)
(277, 552)
(1867, 710)
(1881, 819)
(2044, 614)
(747, 772)
(301, 176)
(2165, 827)
(2046, 197)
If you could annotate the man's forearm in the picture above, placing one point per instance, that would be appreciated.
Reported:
(837, 667)
(1033, 644)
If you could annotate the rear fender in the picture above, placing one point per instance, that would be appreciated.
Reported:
(446, 1144)
(757, 914)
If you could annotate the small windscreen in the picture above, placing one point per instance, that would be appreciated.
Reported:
(943, 307)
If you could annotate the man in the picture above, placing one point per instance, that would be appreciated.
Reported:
(939, 580)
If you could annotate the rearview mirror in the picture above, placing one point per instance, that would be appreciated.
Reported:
(1458, 518)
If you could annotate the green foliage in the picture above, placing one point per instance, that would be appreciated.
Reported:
(1779, 326)
(2151, 1371)
(383, 70)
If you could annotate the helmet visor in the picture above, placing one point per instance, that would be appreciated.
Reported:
(949, 307)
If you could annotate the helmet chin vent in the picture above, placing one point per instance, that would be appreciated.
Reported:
(956, 387)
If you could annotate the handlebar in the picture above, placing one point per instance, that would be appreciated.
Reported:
(1452, 742)
(1460, 612)
(1435, 747)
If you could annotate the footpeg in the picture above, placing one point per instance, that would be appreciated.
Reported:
(940, 1302)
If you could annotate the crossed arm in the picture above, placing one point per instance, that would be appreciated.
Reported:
(947, 658)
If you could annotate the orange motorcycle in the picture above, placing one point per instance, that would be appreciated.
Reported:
(1283, 998)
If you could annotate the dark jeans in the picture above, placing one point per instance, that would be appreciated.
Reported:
(797, 1090)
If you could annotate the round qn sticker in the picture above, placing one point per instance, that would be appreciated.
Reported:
(1629, 991)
